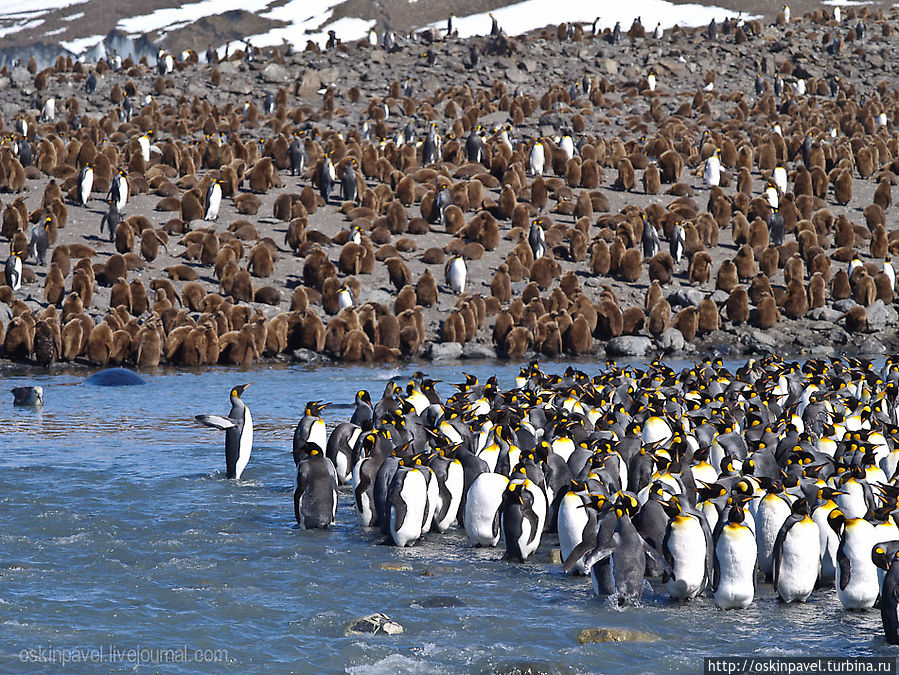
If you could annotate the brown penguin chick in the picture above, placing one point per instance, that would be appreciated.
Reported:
(766, 313)
(100, 344)
(856, 320)
(149, 244)
(398, 272)
(687, 322)
(745, 263)
(626, 179)
(600, 258)
(544, 271)
(880, 246)
(794, 268)
(242, 287)
(708, 319)
(83, 286)
(149, 346)
(632, 320)
(516, 342)
(501, 286)
(260, 262)
(609, 321)
(140, 303)
(661, 268)
(795, 304)
(653, 295)
(120, 295)
(842, 187)
(630, 267)
(884, 288)
(758, 235)
(659, 318)
(46, 342)
(18, 343)
(262, 177)
(700, 268)
(388, 331)
(182, 273)
(839, 286)
(299, 300)
(61, 258)
(192, 295)
(652, 180)
(124, 238)
(769, 261)
(737, 306)
(426, 289)
(54, 285)
(816, 288)
(539, 193)
(671, 164)
(578, 338)
(883, 195)
(191, 208)
(356, 347)
(405, 299)
(864, 291)
(727, 276)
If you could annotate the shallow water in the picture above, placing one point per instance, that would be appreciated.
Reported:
(119, 530)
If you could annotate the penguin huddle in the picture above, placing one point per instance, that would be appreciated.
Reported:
(709, 480)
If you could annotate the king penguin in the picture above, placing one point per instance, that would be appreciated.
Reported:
(13, 270)
(456, 274)
(677, 242)
(213, 200)
(537, 158)
(537, 238)
(797, 555)
(310, 430)
(856, 575)
(85, 183)
(118, 192)
(519, 521)
(407, 502)
(886, 556)
(711, 175)
(40, 240)
(238, 428)
(298, 157)
(687, 549)
(482, 505)
(111, 220)
(315, 497)
(326, 178)
(735, 557)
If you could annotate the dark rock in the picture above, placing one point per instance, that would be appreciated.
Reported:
(629, 345)
(376, 624)
(589, 635)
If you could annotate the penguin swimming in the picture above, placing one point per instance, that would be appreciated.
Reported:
(315, 496)
(238, 428)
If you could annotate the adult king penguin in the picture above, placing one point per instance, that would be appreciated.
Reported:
(886, 556)
(797, 555)
(315, 497)
(118, 192)
(13, 270)
(85, 183)
(856, 575)
(213, 200)
(238, 428)
(456, 274)
(310, 431)
(687, 549)
(735, 557)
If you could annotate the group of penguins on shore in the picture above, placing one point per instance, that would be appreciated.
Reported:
(705, 477)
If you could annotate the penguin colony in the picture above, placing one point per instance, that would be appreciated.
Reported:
(156, 215)
(713, 481)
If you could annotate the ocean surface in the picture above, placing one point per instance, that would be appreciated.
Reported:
(123, 549)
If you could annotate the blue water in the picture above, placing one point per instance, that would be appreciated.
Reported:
(118, 532)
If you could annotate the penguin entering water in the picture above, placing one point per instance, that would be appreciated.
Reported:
(238, 428)
(213, 200)
(28, 396)
(797, 555)
(886, 556)
(315, 496)
(118, 192)
(13, 270)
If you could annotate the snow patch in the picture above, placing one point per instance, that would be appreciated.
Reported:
(24, 25)
(174, 17)
(81, 44)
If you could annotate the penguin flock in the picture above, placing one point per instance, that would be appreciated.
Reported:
(305, 216)
(705, 480)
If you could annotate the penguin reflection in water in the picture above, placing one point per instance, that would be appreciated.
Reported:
(238, 428)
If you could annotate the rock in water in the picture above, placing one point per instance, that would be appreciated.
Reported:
(115, 377)
(615, 635)
(376, 624)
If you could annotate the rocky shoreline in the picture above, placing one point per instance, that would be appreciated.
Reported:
(261, 281)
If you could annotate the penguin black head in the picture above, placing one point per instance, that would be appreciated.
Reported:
(885, 553)
(238, 391)
(314, 408)
(363, 396)
(836, 519)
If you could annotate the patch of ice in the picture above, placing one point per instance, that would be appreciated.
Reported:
(847, 3)
(525, 16)
(73, 17)
(51, 33)
(79, 45)
(24, 25)
(17, 8)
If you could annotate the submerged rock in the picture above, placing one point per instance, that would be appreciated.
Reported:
(615, 635)
(376, 624)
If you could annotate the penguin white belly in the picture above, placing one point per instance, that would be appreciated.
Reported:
(365, 509)
(862, 587)
(571, 522)
(686, 545)
(414, 495)
(484, 498)
(799, 563)
(455, 485)
(884, 532)
(433, 492)
(768, 521)
(852, 504)
(710, 511)
(246, 444)
(563, 447)
(828, 544)
(736, 556)
(541, 506)
(490, 455)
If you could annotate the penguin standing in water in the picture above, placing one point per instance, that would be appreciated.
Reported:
(483, 500)
(296, 152)
(326, 178)
(687, 550)
(797, 555)
(735, 557)
(13, 270)
(856, 575)
(577, 521)
(521, 517)
(238, 428)
(315, 497)
(363, 414)
(456, 274)
(85, 183)
(213, 200)
(407, 502)
(118, 192)
(310, 431)
(40, 240)
(886, 556)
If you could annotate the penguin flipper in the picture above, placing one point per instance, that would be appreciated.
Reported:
(216, 421)
(598, 555)
(576, 554)
(531, 517)
(845, 570)
(651, 553)
(400, 506)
